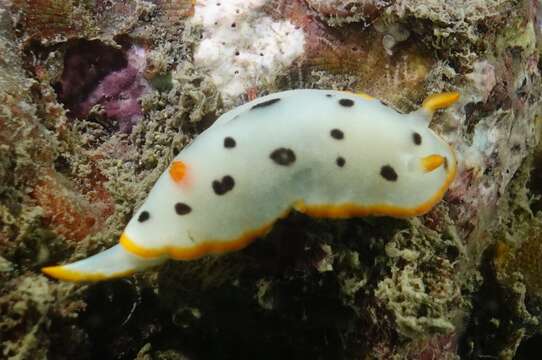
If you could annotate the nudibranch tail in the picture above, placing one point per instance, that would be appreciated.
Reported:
(112, 263)
(440, 101)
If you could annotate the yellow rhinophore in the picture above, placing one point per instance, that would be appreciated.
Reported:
(431, 162)
(440, 101)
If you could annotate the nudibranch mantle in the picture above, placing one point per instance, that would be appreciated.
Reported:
(324, 153)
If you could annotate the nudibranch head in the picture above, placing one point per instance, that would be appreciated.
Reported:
(416, 169)
(324, 153)
(407, 167)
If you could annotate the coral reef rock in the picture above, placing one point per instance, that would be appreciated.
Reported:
(97, 97)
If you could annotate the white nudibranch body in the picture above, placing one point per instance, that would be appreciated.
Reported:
(323, 153)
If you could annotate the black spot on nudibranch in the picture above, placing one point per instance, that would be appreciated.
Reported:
(346, 102)
(229, 142)
(265, 103)
(445, 163)
(144, 216)
(337, 134)
(220, 187)
(340, 161)
(182, 209)
(417, 138)
(283, 156)
(388, 173)
(329, 95)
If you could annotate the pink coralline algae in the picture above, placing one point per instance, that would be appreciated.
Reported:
(98, 74)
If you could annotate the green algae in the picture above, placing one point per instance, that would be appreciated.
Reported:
(29, 304)
(507, 305)
(26, 240)
(422, 291)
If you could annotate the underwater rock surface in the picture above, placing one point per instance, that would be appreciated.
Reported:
(97, 97)
(99, 75)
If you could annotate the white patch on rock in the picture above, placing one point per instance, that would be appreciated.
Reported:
(242, 47)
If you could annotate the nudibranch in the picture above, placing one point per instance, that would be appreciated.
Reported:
(324, 153)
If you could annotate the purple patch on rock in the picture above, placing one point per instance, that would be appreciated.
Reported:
(95, 73)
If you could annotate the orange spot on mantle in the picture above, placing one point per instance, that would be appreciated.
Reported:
(177, 171)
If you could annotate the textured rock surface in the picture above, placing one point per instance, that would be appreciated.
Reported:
(97, 97)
